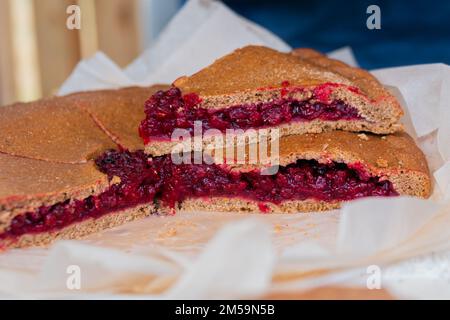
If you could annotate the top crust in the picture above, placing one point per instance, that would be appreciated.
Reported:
(359, 78)
(75, 128)
(118, 112)
(256, 67)
(51, 129)
(378, 153)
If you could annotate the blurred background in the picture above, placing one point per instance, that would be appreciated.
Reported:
(38, 52)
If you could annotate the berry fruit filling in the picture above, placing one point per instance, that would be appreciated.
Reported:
(168, 110)
(144, 179)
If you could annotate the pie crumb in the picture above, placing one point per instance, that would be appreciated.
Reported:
(363, 136)
(382, 163)
(171, 232)
(277, 228)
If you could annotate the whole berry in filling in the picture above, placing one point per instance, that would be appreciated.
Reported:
(168, 110)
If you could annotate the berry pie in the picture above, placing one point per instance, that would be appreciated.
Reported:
(78, 164)
(257, 87)
(41, 201)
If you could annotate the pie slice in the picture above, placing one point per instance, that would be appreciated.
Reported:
(257, 87)
(41, 201)
(50, 186)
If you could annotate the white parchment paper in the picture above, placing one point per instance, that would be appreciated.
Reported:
(216, 255)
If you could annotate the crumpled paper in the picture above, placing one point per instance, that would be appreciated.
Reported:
(216, 255)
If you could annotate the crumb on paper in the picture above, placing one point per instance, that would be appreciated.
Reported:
(383, 138)
(188, 223)
(167, 233)
(382, 163)
(279, 227)
(363, 136)
(180, 223)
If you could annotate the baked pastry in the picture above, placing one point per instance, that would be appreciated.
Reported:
(316, 172)
(85, 123)
(48, 175)
(118, 112)
(74, 165)
(41, 201)
(257, 87)
(39, 129)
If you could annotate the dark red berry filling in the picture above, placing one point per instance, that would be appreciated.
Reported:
(144, 179)
(169, 110)
(305, 179)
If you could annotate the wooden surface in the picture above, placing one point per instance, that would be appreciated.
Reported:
(58, 47)
(117, 25)
(111, 26)
(7, 88)
(88, 33)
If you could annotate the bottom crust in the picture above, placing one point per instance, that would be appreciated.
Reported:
(218, 204)
(248, 206)
(81, 229)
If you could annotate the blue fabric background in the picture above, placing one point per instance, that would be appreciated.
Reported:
(412, 32)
